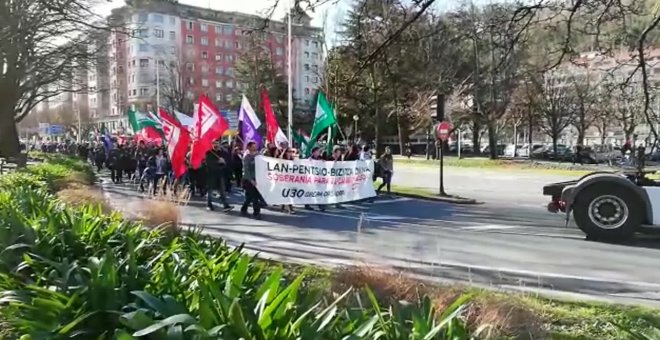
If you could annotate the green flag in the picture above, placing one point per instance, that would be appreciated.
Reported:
(324, 118)
(302, 140)
(141, 120)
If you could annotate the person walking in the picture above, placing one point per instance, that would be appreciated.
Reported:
(386, 163)
(316, 155)
(159, 172)
(237, 165)
(250, 182)
(215, 179)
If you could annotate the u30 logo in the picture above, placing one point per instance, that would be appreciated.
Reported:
(293, 193)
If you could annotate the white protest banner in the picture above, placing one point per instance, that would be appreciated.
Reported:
(307, 181)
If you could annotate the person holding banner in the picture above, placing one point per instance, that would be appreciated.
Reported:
(287, 154)
(250, 182)
(386, 163)
(316, 154)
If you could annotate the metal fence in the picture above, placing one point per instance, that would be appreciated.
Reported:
(6, 166)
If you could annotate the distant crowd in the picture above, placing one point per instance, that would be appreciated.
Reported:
(226, 166)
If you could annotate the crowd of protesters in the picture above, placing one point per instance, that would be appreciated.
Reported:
(226, 166)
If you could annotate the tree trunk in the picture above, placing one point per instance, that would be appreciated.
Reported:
(492, 140)
(9, 143)
(580, 136)
(377, 145)
(476, 148)
(530, 127)
(555, 137)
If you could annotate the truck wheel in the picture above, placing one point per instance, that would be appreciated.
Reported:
(608, 211)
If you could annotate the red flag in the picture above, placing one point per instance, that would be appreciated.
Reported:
(209, 126)
(149, 135)
(178, 139)
(271, 122)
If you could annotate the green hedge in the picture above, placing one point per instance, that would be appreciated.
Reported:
(77, 273)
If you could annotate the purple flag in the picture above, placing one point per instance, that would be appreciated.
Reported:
(249, 123)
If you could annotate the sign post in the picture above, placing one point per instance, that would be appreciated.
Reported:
(442, 134)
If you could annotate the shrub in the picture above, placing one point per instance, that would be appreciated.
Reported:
(73, 271)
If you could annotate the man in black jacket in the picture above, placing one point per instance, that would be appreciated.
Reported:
(215, 170)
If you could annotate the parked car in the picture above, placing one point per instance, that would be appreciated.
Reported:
(525, 149)
(500, 149)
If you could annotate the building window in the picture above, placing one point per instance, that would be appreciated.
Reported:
(218, 97)
(132, 79)
(189, 39)
(227, 30)
(205, 41)
(279, 51)
(315, 55)
(306, 42)
(190, 25)
(218, 29)
(229, 57)
(315, 68)
(204, 27)
(173, 49)
(205, 82)
(218, 57)
(172, 20)
(205, 68)
(227, 44)
(279, 39)
(143, 17)
(230, 84)
(172, 35)
(229, 72)
(190, 67)
(218, 42)
(205, 55)
(316, 44)
(316, 80)
(237, 44)
(134, 92)
(307, 92)
(218, 84)
(306, 54)
(133, 62)
(159, 33)
(144, 62)
(218, 70)
(306, 67)
(159, 18)
(228, 98)
(144, 91)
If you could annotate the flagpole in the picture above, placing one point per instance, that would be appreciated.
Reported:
(289, 74)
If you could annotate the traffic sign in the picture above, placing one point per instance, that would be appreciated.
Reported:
(442, 131)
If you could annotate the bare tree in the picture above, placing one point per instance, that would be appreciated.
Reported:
(582, 104)
(42, 44)
(554, 110)
(174, 86)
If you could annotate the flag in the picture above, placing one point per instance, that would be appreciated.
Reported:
(249, 123)
(141, 120)
(324, 118)
(186, 121)
(301, 139)
(107, 141)
(274, 133)
(178, 139)
(209, 126)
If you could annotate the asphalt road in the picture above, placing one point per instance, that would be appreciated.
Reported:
(504, 245)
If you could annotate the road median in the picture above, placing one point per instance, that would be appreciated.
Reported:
(426, 194)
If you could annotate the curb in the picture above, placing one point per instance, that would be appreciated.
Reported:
(446, 199)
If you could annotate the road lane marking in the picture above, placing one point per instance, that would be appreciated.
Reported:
(491, 227)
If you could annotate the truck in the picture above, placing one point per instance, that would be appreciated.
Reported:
(610, 206)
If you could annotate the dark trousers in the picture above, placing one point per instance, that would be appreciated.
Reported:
(115, 175)
(238, 176)
(387, 179)
(156, 179)
(251, 197)
(99, 165)
(226, 177)
(219, 185)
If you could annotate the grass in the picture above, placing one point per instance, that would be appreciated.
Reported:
(501, 314)
(496, 164)
(413, 191)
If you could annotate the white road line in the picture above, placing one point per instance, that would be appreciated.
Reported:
(491, 227)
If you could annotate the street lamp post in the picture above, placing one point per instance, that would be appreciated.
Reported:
(355, 119)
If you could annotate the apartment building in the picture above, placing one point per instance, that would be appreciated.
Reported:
(167, 44)
(600, 70)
